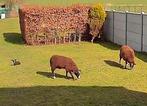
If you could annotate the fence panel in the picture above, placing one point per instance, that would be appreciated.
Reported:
(108, 27)
(119, 28)
(127, 28)
(134, 29)
(145, 33)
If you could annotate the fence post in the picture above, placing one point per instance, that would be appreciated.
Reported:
(142, 14)
(113, 25)
(126, 29)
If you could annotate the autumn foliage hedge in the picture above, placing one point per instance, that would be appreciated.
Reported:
(46, 24)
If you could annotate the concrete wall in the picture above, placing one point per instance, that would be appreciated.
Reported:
(127, 28)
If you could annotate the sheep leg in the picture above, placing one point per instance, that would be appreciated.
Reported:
(53, 73)
(66, 74)
(126, 64)
(71, 75)
(120, 60)
(131, 65)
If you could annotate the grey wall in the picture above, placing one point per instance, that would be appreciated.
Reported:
(134, 28)
(119, 28)
(109, 26)
(127, 28)
(145, 33)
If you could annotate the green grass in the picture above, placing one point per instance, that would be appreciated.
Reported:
(68, 2)
(102, 81)
(119, 5)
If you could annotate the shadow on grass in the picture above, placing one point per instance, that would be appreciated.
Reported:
(109, 45)
(71, 96)
(112, 46)
(49, 74)
(15, 38)
(114, 64)
(105, 43)
(142, 56)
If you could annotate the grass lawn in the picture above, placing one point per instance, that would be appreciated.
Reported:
(103, 82)
(68, 2)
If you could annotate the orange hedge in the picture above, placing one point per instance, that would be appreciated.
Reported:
(52, 21)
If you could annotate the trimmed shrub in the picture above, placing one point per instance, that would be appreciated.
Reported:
(47, 25)
(97, 17)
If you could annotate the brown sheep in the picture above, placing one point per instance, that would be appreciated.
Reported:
(66, 63)
(128, 55)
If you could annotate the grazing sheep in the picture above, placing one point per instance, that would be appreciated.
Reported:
(66, 63)
(15, 62)
(128, 55)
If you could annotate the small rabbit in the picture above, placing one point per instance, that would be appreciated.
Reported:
(15, 62)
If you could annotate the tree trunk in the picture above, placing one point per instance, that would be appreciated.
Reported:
(79, 37)
(55, 41)
(69, 37)
(64, 39)
(92, 39)
(75, 36)
(59, 38)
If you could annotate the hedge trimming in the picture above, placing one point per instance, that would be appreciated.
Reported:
(47, 24)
